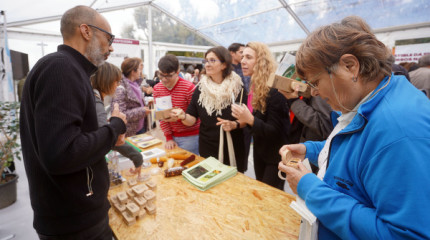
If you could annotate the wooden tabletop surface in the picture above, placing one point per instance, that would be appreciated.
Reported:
(239, 208)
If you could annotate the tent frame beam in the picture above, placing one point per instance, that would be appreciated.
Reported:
(115, 8)
(294, 15)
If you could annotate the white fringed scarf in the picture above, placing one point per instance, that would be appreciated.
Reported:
(215, 97)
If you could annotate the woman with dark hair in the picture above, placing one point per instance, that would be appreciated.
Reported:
(218, 89)
(373, 173)
(129, 96)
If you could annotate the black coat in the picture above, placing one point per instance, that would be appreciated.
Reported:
(61, 141)
(270, 129)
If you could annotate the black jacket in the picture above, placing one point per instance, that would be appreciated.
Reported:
(270, 129)
(61, 143)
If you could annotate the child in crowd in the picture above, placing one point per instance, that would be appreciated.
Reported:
(105, 82)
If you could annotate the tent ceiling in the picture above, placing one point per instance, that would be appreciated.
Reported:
(227, 21)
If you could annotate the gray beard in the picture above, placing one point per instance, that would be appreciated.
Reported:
(94, 53)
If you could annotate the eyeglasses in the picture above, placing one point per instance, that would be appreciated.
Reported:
(112, 37)
(210, 61)
(314, 84)
(169, 76)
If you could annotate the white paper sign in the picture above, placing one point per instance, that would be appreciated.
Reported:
(411, 53)
(163, 103)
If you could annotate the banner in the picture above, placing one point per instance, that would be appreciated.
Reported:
(124, 48)
(411, 53)
(6, 78)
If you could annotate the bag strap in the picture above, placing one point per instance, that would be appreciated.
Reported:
(231, 154)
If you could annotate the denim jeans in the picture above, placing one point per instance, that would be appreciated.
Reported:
(189, 143)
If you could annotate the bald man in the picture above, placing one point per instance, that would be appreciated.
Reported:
(62, 145)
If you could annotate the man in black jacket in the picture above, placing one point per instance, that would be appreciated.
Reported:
(62, 145)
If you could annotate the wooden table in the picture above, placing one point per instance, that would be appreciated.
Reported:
(240, 208)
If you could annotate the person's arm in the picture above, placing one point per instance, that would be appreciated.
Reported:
(185, 118)
(101, 112)
(395, 180)
(313, 149)
(189, 118)
(61, 100)
(228, 125)
(315, 115)
(102, 119)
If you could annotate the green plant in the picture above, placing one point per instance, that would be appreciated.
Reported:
(9, 131)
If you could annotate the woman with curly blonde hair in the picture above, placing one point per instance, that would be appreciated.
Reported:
(266, 116)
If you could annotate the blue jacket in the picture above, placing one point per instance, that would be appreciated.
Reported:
(377, 181)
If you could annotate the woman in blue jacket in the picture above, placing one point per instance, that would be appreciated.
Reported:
(373, 179)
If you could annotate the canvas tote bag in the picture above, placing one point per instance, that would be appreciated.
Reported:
(231, 154)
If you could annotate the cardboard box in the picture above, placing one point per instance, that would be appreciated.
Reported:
(162, 114)
(288, 84)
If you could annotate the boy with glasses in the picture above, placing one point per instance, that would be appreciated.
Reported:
(181, 91)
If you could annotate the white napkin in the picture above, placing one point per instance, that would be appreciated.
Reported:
(300, 207)
(309, 225)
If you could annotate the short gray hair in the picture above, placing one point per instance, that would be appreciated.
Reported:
(74, 17)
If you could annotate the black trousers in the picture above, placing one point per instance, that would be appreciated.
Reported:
(100, 231)
(268, 173)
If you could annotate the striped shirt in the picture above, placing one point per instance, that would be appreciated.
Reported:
(181, 95)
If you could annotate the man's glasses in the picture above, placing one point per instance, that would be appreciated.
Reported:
(169, 76)
(210, 61)
(112, 37)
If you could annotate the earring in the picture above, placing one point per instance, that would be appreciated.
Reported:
(354, 79)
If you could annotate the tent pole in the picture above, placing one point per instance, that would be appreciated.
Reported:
(294, 15)
(6, 82)
(150, 49)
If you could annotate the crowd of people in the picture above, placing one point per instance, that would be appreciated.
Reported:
(361, 129)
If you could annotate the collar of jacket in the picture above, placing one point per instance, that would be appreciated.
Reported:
(360, 119)
(88, 67)
(129, 91)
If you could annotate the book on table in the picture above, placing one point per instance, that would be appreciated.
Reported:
(144, 140)
(208, 173)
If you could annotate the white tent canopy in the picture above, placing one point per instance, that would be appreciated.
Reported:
(282, 24)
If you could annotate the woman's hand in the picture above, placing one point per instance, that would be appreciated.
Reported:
(242, 113)
(293, 174)
(185, 118)
(177, 113)
(173, 115)
(227, 125)
(298, 150)
(170, 145)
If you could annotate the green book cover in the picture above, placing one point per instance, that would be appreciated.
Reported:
(208, 173)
